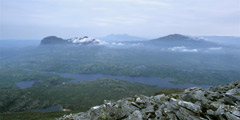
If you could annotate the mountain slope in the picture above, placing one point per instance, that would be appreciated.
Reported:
(52, 40)
(229, 40)
(174, 40)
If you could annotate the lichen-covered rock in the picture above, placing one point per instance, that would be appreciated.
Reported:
(136, 115)
(220, 102)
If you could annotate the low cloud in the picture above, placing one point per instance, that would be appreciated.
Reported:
(215, 48)
(115, 43)
(111, 43)
(182, 49)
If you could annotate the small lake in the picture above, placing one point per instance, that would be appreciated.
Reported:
(25, 84)
(49, 109)
(161, 82)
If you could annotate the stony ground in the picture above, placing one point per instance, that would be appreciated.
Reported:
(215, 103)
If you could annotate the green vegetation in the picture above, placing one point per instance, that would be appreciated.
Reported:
(34, 115)
(8, 77)
(170, 91)
(197, 68)
(51, 89)
(75, 96)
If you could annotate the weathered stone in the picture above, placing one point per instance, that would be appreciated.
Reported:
(126, 106)
(159, 98)
(219, 111)
(158, 113)
(210, 112)
(234, 94)
(213, 96)
(183, 113)
(194, 104)
(136, 115)
(171, 116)
(136, 105)
(172, 105)
(190, 106)
(139, 100)
(231, 117)
(236, 112)
(149, 109)
(195, 118)
(193, 94)
(215, 105)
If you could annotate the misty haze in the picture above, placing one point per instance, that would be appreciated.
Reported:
(119, 60)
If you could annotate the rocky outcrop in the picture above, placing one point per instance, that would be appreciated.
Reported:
(222, 102)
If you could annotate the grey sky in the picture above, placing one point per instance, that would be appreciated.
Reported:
(35, 19)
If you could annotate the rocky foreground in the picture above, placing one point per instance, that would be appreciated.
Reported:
(222, 102)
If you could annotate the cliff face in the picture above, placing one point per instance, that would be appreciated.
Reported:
(222, 102)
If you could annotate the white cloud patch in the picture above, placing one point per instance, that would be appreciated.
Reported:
(182, 49)
(115, 43)
(215, 48)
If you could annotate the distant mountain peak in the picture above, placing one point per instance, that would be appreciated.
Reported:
(176, 36)
(179, 37)
(50, 37)
(174, 40)
(53, 40)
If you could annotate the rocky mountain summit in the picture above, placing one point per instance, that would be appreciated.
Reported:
(222, 102)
